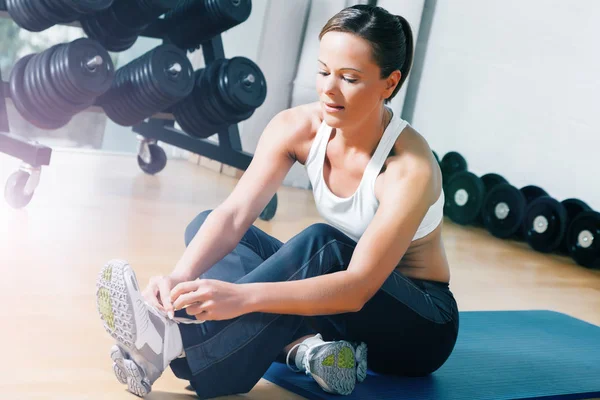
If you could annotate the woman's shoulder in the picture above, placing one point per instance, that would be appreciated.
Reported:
(299, 125)
(414, 159)
(302, 121)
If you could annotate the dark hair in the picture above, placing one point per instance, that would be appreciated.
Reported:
(390, 36)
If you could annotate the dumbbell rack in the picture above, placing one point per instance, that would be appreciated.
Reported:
(21, 184)
(228, 150)
(160, 127)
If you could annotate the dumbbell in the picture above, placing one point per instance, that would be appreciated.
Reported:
(49, 88)
(38, 15)
(118, 27)
(226, 92)
(465, 194)
(583, 239)
(545, 222)
(147, 85)
(193, 22)
(451, 163)
(503, 208)
(573, 207)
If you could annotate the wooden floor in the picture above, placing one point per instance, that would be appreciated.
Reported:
(92, 207)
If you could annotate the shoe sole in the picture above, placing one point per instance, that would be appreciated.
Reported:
(336, 367)
(129, 373)
(361, 362)
(117, 314)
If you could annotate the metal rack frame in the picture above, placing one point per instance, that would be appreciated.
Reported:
(159, 127)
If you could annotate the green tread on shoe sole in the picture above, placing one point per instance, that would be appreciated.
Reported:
(105, 306)
(346, 358)
(107, 274)
(328, 361)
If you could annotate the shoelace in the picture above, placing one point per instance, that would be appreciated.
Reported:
(179, 320)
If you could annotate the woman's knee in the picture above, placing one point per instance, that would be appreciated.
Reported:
(322, 230)
(194, 226)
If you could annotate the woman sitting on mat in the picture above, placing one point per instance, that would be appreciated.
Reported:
(376, 276)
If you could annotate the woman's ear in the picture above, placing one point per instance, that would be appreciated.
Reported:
(391, 82)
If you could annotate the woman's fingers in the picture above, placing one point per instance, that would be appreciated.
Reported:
(187, 299)
(151, 295)
(184, 287)
(198, 308)
(164, 289)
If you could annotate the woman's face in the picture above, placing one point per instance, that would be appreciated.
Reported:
(348, 81)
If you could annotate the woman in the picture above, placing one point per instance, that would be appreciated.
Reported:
(375, 276)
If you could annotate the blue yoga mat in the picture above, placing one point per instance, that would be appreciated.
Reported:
(499, 355)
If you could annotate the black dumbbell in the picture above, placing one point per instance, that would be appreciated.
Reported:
(118, 27)
(451, 163)
(583, 239)
(49, 88)
(147, 85)
(465, 194)
(503, 209)
(38, 15)
(574, 207)
(545, 224)
(226, 92)
(193, 22)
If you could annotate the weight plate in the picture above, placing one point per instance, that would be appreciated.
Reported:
(170, 85)
(89, 6)
(245, 83)
(451, 163)
(229, 12)
(107, 30)
(26, 15)
(573, 207)
(45, 79)
(532, 192)
(137, 100)
(36, 94)
(90, 80)
(490, 180)
(208, 108)
(19, 97)
(464, 197)
(146, 97)
(190, 114)
(583, 239)
(63, 10)
(225, 113)
(503, 210)
(140, 13)
(54, 13)
(545, 224)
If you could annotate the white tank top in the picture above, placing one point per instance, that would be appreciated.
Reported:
(353, 214)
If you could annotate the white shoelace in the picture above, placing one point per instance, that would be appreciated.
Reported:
(178, 320)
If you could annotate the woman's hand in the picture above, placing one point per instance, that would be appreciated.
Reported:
(158, 293)
(211, 300)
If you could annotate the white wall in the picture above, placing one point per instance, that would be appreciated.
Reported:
(513, 85)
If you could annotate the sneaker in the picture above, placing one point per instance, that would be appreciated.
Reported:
(336, 366)
(147, 341)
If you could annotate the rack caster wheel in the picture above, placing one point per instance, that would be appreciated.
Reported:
(20, 187)
(151, 157)
(269, 212)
